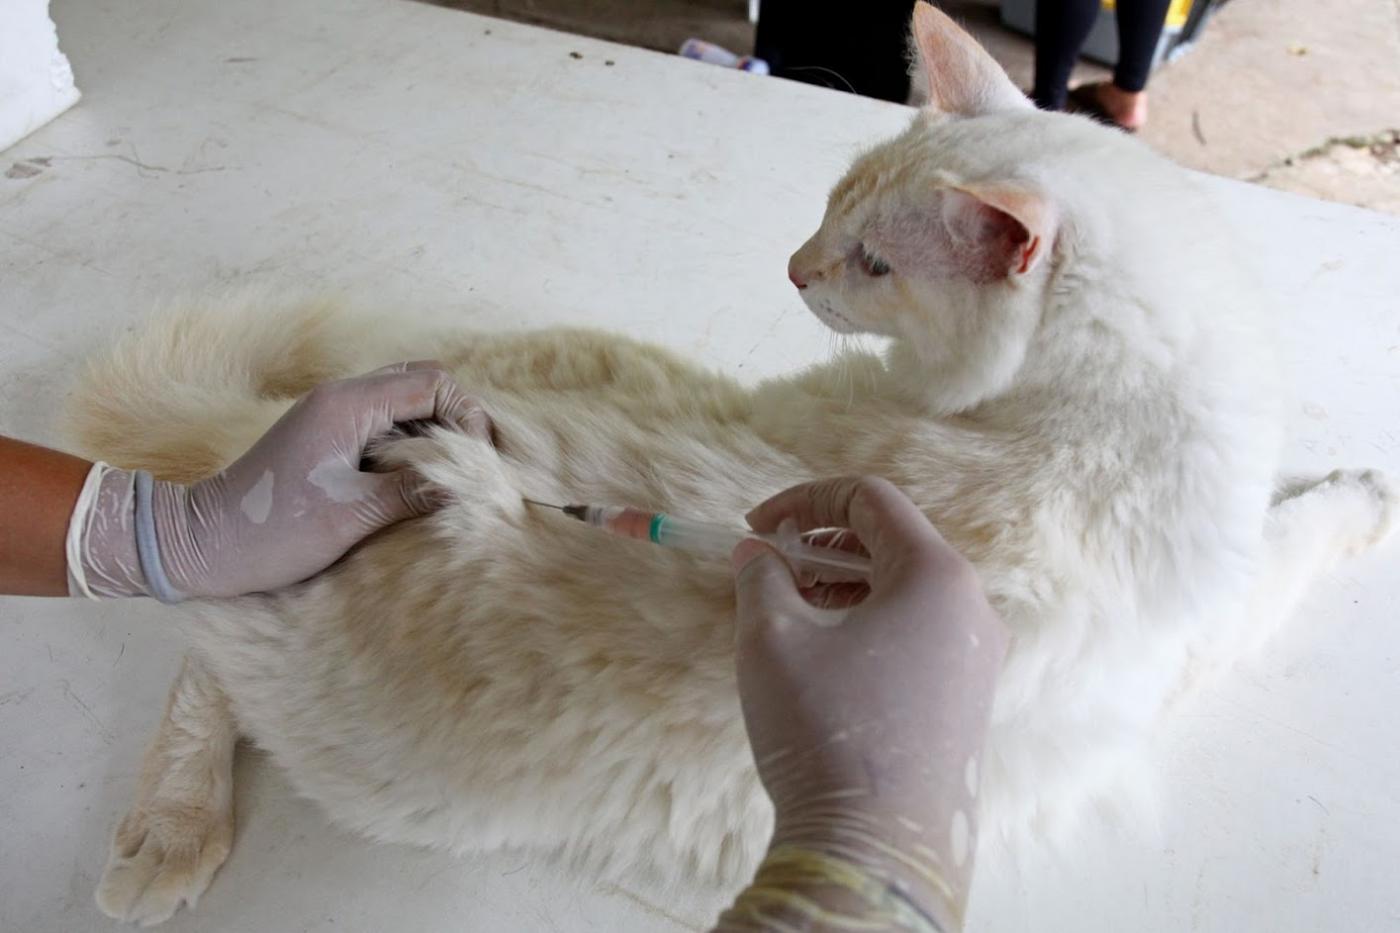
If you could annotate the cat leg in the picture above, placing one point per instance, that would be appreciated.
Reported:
(1312, 523)
(1343, 513)
(180, 829)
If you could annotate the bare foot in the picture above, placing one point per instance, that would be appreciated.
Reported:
(1127, 108)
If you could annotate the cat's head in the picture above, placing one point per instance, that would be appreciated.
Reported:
(944, 237)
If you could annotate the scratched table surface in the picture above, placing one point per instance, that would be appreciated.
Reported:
(420, 158)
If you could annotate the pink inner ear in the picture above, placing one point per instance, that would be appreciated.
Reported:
(991, 242)
(1028, 212)
(957, 235)
(1028, 255)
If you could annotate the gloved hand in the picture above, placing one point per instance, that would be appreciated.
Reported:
(867, 722)
(287, 509)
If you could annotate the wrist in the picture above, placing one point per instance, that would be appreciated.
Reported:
(163, 538)
(103, 560)
(893, 853)
(118, 535)
(823, 886)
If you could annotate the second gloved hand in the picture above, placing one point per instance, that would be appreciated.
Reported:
(866, 722)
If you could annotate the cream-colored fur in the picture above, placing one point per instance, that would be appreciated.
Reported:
(1094, 427)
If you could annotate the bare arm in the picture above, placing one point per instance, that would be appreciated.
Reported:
(38, 487)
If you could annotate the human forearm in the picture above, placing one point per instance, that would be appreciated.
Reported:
(41, 492)
(38, 488)
(847, 858)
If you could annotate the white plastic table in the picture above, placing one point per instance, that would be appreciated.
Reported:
(419, 158)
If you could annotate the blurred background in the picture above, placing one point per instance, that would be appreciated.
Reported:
(1299, 95)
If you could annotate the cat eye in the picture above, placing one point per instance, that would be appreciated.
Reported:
(871, 264)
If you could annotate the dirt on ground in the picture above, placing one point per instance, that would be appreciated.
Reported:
(1294, 94)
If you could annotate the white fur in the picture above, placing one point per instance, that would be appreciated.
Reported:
(1098, 433)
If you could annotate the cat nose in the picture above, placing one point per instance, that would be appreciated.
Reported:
(796, 279)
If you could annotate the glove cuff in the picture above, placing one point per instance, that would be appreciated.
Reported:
(147, 548)
(112, 548)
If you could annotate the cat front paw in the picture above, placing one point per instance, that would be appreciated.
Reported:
(1362, 504)
(1383, 497)
(163, 856)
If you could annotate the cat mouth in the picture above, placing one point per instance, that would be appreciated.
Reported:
(836, 320)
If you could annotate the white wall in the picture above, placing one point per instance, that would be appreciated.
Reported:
(36, 81)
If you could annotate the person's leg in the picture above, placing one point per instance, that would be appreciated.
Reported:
(1140, 24)
(1061, 26)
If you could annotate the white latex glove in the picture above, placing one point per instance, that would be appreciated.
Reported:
(866, 722)
(285, 510)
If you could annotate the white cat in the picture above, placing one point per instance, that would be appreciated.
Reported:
(1077, 391)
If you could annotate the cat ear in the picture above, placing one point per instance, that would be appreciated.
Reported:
(1005, 230)
(962, 77)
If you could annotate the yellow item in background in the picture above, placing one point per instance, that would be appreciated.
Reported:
(1176, 13)
(1184, 22)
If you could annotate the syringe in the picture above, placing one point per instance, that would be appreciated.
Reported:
(711, 540)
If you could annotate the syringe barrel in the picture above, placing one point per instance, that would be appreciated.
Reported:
(708, 539)
(701, 538)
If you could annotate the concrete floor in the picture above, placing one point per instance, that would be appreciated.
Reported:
(1295, 94)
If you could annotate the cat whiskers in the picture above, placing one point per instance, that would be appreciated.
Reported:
(833, 357)
(847, 370)
(835, 74)
(838, 351)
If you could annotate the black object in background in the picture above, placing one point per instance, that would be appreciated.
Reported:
(859, 47)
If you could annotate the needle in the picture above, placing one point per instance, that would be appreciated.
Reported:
(543, 505)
